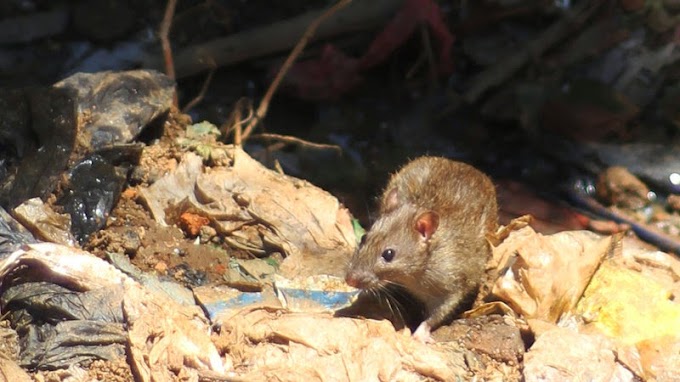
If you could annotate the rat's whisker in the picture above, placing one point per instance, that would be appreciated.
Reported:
(394, 304)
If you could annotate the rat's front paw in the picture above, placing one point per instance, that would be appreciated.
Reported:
(423, 333)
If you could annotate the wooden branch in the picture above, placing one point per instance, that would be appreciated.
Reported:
(309, 33)
(299, 142)
(278, 37)
(201, 93)
(164, 35)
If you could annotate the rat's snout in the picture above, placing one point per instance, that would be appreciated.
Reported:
(351, 279)
(360, 279)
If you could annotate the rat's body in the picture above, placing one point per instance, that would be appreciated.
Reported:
(430, 237)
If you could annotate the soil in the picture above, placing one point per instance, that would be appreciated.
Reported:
(163, 250)
(112, 371)
(153, 248)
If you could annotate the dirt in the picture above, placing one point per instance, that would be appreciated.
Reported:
(488, 336)
(155, 249)
(112, 371)
(163, 250)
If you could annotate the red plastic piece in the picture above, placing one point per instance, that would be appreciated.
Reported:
(335, 73)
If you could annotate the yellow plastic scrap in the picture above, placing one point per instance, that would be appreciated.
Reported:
(628, 306)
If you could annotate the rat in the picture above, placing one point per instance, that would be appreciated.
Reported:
(430, 237)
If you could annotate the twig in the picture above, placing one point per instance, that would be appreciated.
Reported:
(235, 121)
(264, 104)
(280, 36)
(644, 231)
(201, 94)
(163, 34)
(238, 130)
(299, 141)
(265, 155)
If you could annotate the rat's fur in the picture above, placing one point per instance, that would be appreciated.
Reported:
(435, 214)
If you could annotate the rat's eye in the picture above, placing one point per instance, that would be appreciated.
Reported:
(388, 254)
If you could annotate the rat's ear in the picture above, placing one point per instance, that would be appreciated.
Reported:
(427, 223)
(390, 201)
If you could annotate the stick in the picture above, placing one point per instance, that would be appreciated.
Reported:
(311, 29)
(278, 37)
(163, 34)
(201, 94)
(236, 120)
(299, 141)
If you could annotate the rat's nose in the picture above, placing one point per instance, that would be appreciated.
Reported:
(360, 279)
(351, 279)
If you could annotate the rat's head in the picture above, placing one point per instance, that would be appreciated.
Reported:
(395, 249)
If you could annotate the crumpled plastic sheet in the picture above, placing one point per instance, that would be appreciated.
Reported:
(118, 104)
(94, 186)
(59, 327)
(40, 126)
(162, 336)
(87, 119)
(12, 234)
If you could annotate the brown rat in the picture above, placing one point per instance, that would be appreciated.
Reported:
(430, 237)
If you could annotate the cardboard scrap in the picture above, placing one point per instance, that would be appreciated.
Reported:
(44, 222)
(11, 371)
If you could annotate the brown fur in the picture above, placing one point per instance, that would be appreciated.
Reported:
(435, 214)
